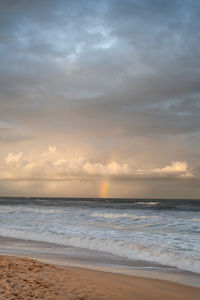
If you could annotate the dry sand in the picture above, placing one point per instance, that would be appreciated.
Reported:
(24, 279)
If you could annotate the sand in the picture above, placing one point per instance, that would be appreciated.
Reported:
(24, 279)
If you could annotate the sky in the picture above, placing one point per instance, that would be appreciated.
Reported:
(100, 98)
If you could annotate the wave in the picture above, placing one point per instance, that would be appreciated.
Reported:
(150, 253)
(195, 220)
(141, 230)
(120, 216)
(148, 203)
(31, 209)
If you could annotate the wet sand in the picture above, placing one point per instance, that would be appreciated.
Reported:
(68, 256)
(24, 279)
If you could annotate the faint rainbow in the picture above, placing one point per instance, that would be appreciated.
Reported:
(104, 189)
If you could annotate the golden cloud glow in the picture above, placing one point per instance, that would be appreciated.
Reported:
(54, 165)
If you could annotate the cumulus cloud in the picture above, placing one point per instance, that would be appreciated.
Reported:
(53, 165)
(175, 167)
(13, 159)
(112, 168)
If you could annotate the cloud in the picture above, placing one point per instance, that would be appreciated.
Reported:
(175, 167)
(14, 159)
(112, 168)
(53, 165)
(10, 135)
(95, 78)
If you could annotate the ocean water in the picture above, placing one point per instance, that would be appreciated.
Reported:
(159, 231)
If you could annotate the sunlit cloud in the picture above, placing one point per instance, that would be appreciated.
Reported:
(53, 165)
(112, 168)
(175, 167)
(14, 159)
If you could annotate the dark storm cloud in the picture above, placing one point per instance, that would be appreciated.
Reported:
(130, 61)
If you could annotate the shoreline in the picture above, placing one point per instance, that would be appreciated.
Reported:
(24, 278)
(60, 255)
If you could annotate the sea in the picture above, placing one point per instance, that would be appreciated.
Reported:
(155, 231)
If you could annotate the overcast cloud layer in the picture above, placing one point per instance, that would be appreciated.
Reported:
(100, 90)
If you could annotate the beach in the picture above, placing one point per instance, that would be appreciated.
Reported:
(90, 249)
(23, 278)
(100, 150)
